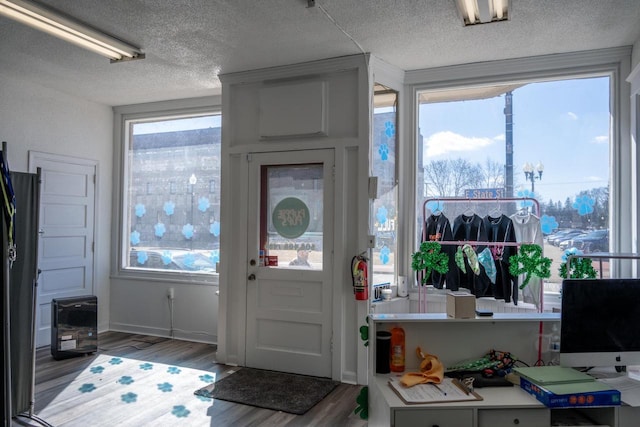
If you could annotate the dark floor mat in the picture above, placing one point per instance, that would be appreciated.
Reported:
(291, 393)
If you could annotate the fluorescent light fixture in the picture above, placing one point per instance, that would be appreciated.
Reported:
(68, 29)
(483, 11)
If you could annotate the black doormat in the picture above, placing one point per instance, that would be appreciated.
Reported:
(291, 393)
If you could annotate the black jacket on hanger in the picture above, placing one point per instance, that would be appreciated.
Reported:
(468, 228)
(437, 228)
(500, 229)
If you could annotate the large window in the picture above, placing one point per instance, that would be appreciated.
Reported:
(172, 194)
(384, 167)
(546, 142)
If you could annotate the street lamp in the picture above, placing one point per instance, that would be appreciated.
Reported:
(529, 169)
(192, 185)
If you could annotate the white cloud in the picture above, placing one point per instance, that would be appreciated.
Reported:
(500, 137)
(602, 139)
(572, 116)
(446, 142)
(593, 178)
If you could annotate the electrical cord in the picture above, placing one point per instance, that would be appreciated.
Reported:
(34, 418)
(333, 21)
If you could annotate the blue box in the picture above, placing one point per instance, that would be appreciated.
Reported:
(585, 394)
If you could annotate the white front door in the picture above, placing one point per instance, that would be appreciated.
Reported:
(289, 312)
(66, 227)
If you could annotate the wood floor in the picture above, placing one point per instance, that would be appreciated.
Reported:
(52, 377)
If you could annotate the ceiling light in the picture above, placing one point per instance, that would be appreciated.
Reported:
(483, 11)
(68, 29)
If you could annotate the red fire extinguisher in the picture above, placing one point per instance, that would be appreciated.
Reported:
(360, 277)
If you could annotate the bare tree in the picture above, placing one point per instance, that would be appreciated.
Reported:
(493, 174)
(451, 177)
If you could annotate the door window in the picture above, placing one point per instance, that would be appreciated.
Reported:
(291, 220)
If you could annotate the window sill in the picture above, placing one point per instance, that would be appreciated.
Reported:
(186, 278)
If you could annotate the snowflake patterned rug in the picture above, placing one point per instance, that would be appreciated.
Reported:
(130, 392)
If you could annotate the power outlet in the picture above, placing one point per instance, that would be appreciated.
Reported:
(171, 293)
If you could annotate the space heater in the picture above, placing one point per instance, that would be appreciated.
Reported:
(74, 326)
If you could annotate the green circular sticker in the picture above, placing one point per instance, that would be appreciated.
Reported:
(290, 217)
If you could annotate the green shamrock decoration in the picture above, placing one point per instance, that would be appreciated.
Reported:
(364, 333)
(581, 268)
(530, 262)
(430, 257)
(363, 403)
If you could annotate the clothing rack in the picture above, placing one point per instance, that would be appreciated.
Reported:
(422, 303)
(422, 299)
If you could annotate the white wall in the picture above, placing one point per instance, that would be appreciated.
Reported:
(35, 118)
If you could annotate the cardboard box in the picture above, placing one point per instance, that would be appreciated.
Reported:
(461, 305)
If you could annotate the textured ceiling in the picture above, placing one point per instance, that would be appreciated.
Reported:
(189, 42)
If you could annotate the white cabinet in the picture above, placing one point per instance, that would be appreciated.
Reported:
(456, 340)
(514, 417)
(434, 417)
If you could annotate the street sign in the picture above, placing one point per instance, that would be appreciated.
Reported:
(484, 193)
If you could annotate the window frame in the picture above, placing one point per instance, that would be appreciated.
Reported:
(120, 235)
(614, 63)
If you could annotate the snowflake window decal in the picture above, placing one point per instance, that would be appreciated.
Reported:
(160, 229)
(381, 215)
(389, 129)
(548, 223)
(203, 204)
(435, 206)
(215, 256)
(134, 238)
(140, 210)
(526, 194)
(214, 228)
(169, 208)
(142, 257)
(384, 255)
(383, 150)
(187, 231)
(166, 258)
(584, 205)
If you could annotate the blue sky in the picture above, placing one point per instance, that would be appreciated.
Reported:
(176, 125)
(563, 124)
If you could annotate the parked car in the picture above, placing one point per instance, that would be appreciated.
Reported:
(171, 259)
(594, 241)
(566, 241)
(563, 235)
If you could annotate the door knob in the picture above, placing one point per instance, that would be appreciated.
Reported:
(252, 276)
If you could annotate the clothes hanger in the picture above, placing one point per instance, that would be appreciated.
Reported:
(496, 212)
(469, 211)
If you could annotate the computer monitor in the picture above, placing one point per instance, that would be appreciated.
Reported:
(600, 322)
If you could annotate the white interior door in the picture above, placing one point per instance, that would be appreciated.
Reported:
(289, 312)
(66, 227)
